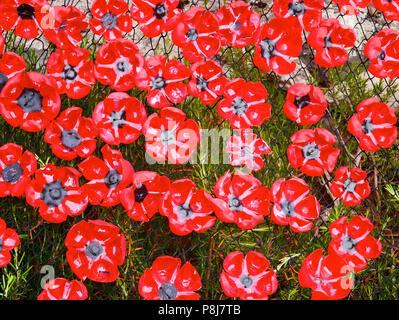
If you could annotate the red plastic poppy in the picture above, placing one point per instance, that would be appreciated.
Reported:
(245, 149)
(197, 34)
(390, 8)
(117, 63)
(305, 104)
(110, 19)
(374, 125)
(167, 280)
(16, 168)
(170, 136)
(330, 41)
(56, 192)
(311, 151)
(119, 118)
(244, 104)
(107, 177)
(276, 42)
(142, 200)
(350, 185)
(241, 199)
(308, 12)
(9, 240)
(350, 7)
(28, 100)
(351, 241)
(293, 205)
(73, 72)
(248, 277)
(237, 24)
(95, 250)
(186, 208)
(11, 65)
(62, 289)
(329, 277)
(155, 16)
(163, 80)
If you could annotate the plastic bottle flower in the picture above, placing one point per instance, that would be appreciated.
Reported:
(163, 80)
(9, 240)
(16, 168)
(237, 24)
(168, 280)
(207, 81)
(248, 277)
(293, 205)
(350, 7)
(170, 136)
(155, 16)
(276, 42)
(390, 8)
(330, 41)
(197, 34)
(241, 199)
(312, 152)
(56, 192)
(350, 185)
(73, 72)
(305, 104)
(119, 118)
(107, 177)
(62, 289)
(308, 12)
(110, 19)
(186, 208)
(244, 104)
(95, 250)
(71, 135)
(117, 63)
(142, 200)
(351, 241)
(11, 65)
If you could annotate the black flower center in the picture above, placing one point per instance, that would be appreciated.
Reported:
(122, 66)
(235, 204)
(239, 106)
(160, 11)
(1, 245)
(71, 139)
(167, 137)
(349, 244)
(192, 34)
(112, 179)
(62, 26)
(3, 80)
(69, 73)
(184, 210)
(268, 48)
(349, 185)
(93, 250)
(302, 102)
(118, 118)
(12, 173)
(26, 11)
(246, 281)
(140, 193)
(53, 193)
(288, 208)
(237, 25)
(367, 126)
(381, 55)
(327, 42)
(311, 151)
(30, 100)
(159, 83)
(167, 291)
(202, 83)
(109, 21)
(297, 8)
(246, 152)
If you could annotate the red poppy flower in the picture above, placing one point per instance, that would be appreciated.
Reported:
(237, 24)
(11, 65)
(143, 198)
(164, 81)
(241, 199)
(119, 118)
(308, 12)
(107, 177)
(73, 72)
(390, 8)
(117, 63)
(207, 81)
(374, 125)
(244, 104)
(71, 135)
(26, 16)
(246, 149)
(330, 41)
(186, 208)
(9, 240)
(155, 16)
(62, 289)
(293, 205)
(352, 242)
(170, 136)
(166, 280)
(276, 42)
(329, 277)
(28, 100)
(248, 277)
(110, 19)
(383, 52)
(95, 250)
(352, 6)
(350, 185)
(64, 26)
(16, 168)
(305, 104)
(311, 151)
(197, 34)
(56, 192)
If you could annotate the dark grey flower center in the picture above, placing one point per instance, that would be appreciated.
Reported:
(93, 250)
(268, 48)
(184, 210)
(288, 208)
(160, 11)
(159, 83)
(381, 55)
(246, 281)
(239, 106)
(118, 118)
(167, 291)
(349, 244)
(122, 66)
(302, 102)
(237, 25)
(367, 126)
(235, 204)
(12, 173)
(112, 179)
(140, 193)
(63, 26)
(246, 152)
(109, 21)
(311, 151)
(69, 73)
(53, 193)
(192, 34)
(297, 8)
(30, 100)
(3, 80)
(202, 83)
(327, 42)
(1, 245)
(349, 185)
(26, 11)
(167, 137)
(71, 139)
